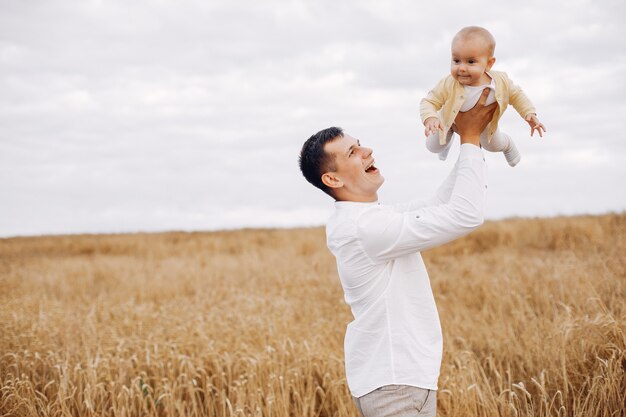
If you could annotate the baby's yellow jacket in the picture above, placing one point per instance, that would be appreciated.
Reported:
(449, 94)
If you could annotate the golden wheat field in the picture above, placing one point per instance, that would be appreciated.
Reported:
(251, 323)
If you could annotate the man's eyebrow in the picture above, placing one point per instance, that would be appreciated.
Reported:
(358, 143)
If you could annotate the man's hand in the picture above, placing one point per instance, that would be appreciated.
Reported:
(432, 125)
(471, 123)
(535, 124)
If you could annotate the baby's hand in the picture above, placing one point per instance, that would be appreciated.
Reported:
(535, 124)
(432, 125)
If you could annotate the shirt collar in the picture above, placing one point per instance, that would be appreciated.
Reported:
(340, 204)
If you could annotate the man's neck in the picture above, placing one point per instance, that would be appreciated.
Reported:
(358, 198)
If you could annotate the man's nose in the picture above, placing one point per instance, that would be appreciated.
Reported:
(367, 152)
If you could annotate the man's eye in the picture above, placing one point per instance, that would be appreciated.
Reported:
(471, 61)
(456, 61)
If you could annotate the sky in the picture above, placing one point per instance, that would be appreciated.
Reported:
(157, 115)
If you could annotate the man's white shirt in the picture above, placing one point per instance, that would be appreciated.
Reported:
(395, 337)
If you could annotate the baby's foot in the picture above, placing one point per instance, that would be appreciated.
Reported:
(512, 155)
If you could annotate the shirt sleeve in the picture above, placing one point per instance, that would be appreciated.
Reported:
(434, 100)
(387, 234)
(519, 100)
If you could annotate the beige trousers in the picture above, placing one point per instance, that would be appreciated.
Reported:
(398, 401)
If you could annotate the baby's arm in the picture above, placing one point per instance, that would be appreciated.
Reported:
(432, 125)
(534, 123)
(430, 105)
(525, 108)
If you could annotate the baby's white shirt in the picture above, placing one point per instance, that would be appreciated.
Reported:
(472, 94)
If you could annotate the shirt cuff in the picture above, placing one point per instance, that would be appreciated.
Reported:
(469, 151)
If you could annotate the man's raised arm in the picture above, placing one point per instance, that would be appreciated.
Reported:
(471, 123)
(387, 234)
(466, 125)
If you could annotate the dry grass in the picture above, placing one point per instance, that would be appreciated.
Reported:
(251, 323)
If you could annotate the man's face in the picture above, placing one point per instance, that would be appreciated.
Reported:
(355, 177)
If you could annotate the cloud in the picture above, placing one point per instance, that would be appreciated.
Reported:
(162, 115)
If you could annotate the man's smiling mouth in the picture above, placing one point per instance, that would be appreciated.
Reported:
(371, 168)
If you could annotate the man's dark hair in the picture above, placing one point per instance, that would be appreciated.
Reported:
(314, 161)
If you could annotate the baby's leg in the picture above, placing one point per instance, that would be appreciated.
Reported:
(501, 142)
(433, 145)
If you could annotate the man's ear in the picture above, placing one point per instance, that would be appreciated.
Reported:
(331, 180)
(490, 62)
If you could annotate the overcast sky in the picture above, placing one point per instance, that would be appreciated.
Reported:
(189, 115)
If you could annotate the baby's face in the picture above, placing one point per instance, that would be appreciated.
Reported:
(470, 61)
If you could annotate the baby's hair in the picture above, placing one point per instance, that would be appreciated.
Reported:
(477, 31)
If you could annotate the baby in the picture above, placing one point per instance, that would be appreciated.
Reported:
(472, 59)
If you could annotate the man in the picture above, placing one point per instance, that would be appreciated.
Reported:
(393, 347)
